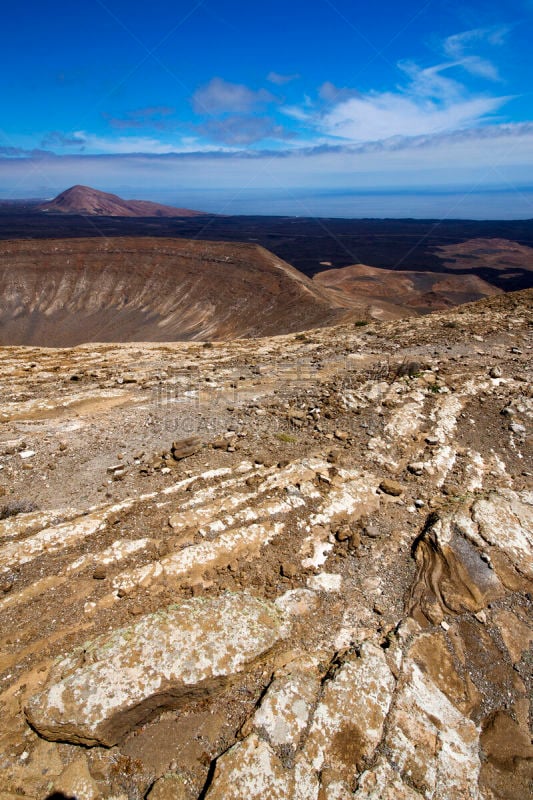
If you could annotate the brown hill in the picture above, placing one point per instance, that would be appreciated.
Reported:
(506, 259)
(419, 291)
(87, 201)
(64, 292)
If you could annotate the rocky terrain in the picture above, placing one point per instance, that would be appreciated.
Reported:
(292, 567)
(64, 292)
(91, 202)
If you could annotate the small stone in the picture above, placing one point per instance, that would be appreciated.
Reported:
(391, 487)
(432, 440)
(416, 468)
(481, 617)
(372, 531)
(355, 540)
(444, 625)
(517, 427)
(6, 584)
(288, 570)
(296, 414)
(342, 436)
(100, 573)
(343, 533)
(419, 503)
(508, 411)
(495, 372)
(63, 446)
(186, 447)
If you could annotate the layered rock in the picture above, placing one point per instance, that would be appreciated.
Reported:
(264, 617)
(118, 681)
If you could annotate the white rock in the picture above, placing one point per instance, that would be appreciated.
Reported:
(98, 694)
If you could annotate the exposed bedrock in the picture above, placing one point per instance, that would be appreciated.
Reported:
(115, 682)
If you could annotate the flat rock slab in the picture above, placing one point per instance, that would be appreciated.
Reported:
(98, 694)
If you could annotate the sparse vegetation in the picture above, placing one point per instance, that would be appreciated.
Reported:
(15, 507)
(286, 437)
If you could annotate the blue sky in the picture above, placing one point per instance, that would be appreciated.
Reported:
(168, 99)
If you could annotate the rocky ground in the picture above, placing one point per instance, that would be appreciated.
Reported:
(295, 567)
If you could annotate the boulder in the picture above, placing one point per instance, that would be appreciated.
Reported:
(99, 693)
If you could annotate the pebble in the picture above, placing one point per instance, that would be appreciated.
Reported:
(355, 540)
(186, 447)
(6, 584)
(416, 468)
(342, 436)
(419, 503)
(495, 372)
(343, 533)
(288, 570)
(100, 573)
(391, 487)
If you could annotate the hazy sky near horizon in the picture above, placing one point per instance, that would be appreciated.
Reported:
(164, 98)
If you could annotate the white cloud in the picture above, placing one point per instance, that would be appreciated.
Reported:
(129, 145)
(431, 101)
(456, 45)
(123, 144)
(459, 45)
(385, 115)
(221, 97)
(281, 80)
